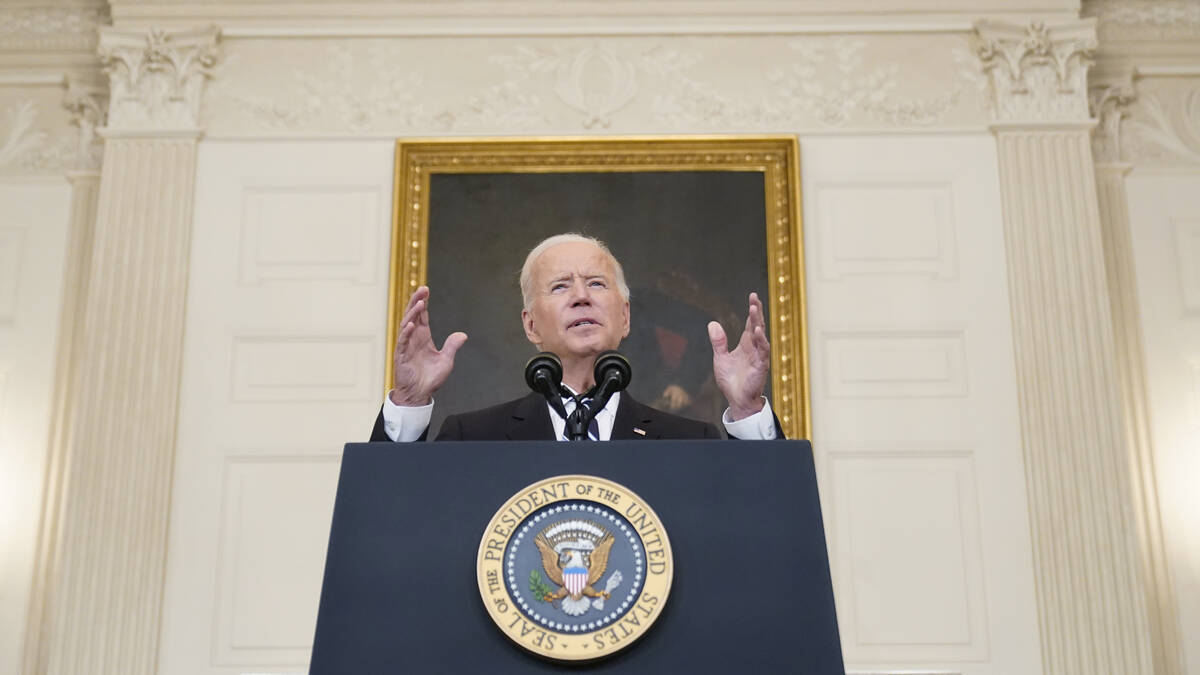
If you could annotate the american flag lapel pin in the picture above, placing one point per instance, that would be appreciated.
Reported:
(639, 431)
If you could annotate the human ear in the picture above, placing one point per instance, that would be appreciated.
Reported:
(531, 333)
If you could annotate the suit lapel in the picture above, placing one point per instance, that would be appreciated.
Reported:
(530, 421)
(632, 415)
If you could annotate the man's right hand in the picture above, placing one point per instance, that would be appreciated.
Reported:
(418, 367)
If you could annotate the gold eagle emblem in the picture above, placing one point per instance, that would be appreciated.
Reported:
(575, 557)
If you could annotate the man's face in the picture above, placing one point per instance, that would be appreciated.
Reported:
(577, 310)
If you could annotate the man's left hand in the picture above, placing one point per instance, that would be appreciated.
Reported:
(741, 374)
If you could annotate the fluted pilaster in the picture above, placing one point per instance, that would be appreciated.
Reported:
(121, 412)
(85, 99)
(85, 192)
(123, 386)
(1109, 105)
(1087, 562)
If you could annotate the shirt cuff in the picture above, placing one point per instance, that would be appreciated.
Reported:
(405, 424)
(758, 427)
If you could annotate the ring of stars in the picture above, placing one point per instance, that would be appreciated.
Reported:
(617, 524)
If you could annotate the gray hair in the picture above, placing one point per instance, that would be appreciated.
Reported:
(570, 237)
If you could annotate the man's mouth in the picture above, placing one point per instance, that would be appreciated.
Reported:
(583, 322)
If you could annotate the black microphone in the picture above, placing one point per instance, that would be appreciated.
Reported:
(612, 373)
(543, 374)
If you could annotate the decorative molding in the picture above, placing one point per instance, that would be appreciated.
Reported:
(1037, 73)
(877, 497)
(826, 80)
(51, 28)
(28, 144)
(1123, 20)
(1109, 103)
(22, 139)
(27, 147)
(87, 102)
(473, 18)
(1164, 123)
(156, 77)
(895, 364)
(593, 84)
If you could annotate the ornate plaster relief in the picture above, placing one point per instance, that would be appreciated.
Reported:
(1163, 128)
(1124, 20)
(1038, 73)
(156, 78)
(36, 135)
(51, 27)
(571, 85)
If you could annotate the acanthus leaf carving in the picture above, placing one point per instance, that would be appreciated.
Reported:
(157, 78)
(1037, 73)
(1110, 104)
(1164, 123)
(87, 102)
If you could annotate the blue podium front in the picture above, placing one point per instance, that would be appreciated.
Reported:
(750, 592)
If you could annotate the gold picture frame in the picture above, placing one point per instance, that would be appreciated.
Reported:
(775, 157)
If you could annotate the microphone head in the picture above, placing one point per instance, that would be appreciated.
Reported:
(545, 364)
(612, 364)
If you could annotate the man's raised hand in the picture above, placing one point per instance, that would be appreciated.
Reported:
(741, 374)
(418, 367)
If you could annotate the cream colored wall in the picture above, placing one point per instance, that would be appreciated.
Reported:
(1165, 215)
(33, 230)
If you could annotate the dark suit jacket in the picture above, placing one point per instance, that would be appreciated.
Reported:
(528, 419)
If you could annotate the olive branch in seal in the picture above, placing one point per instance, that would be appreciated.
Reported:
(537, 587)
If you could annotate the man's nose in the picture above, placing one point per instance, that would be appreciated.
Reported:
(580, 293)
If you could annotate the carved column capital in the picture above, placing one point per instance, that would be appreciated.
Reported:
(87, 101)
(1109, 103)
(156, 78)
(1037, 73)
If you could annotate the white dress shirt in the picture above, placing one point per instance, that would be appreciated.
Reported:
(404, 424)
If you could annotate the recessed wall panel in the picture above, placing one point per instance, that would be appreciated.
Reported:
(302, 368)
(907, 539)
(274, 532)
(11, 245)
(886, 228)
(299, 233)
(1187, 250)
(900, 364)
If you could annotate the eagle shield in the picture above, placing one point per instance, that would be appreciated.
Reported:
(575, 556)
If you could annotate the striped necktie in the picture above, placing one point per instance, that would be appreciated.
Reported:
(593, 426)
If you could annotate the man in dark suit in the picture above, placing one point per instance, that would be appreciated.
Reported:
(576, 306)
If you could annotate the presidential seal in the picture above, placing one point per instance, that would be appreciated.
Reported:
(574, 568)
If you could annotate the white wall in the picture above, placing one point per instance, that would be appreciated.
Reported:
(1164, 214)
(283, 364)
(915, 422)
(33, 226)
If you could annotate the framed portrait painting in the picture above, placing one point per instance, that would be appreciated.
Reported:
(697, 223)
